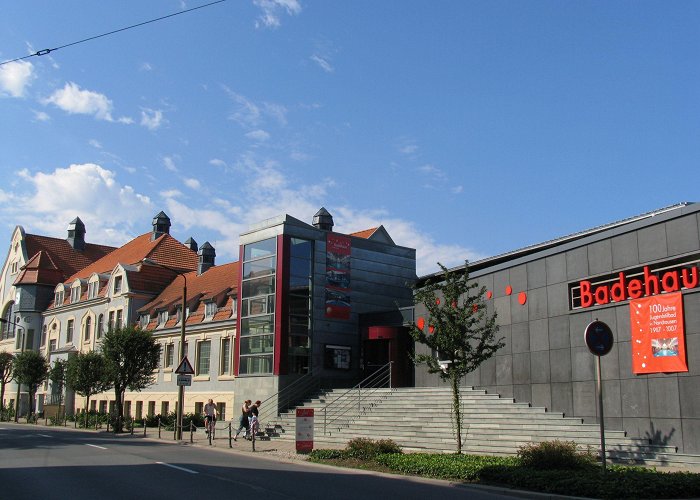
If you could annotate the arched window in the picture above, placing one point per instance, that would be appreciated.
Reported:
(100, 323)
(88, 327)
(8, 328)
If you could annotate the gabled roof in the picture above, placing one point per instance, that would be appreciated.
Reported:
(364, 234)
(213, 284)
(165, 250)
(64, 257)
(378, 233)
(40, 270)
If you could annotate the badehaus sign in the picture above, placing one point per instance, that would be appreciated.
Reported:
(655, 307)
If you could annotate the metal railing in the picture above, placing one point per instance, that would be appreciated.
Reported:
(288, 396)
(352, 403)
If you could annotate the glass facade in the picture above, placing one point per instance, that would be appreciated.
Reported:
(300, 295)
(258, 307)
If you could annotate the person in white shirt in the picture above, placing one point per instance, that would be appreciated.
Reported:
(209, 414)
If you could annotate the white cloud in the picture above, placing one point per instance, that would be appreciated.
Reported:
(73, 100)
(323, 63)
(193, 184)
(169, 162)
(40, 116)
(250, 115)
(432, 171)
(95, 143)
(15, 77)
(272, 9)
(258, 135)
(218, 163)
(152, 119)
(145, 66)
(45, 203)
(458, 189)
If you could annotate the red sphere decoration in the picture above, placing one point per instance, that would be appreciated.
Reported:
(420, 323)
(509, 290)
(522, 298)
(489, 294)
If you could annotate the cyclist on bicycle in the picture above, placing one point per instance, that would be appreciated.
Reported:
(209, 415)
(254, 418)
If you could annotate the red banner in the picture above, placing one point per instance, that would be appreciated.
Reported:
(338, 250)
(658, 337)
(305, 430)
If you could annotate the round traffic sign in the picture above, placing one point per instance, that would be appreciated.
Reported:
(598, 338)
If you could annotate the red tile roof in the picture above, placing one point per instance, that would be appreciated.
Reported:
(64, 257)
(364, 234)
(214, 284)
(165, 250)
(41, 270)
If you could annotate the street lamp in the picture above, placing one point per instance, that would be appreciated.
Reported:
(181, 388)
(21, 344)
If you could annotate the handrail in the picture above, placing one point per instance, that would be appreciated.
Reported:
(285, 397)
(344, 404)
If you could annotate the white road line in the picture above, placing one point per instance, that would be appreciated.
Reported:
(178, 468)
(44, 435)
(95, 446)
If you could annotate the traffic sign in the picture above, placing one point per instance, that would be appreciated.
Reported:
(185, 368)
(599, 338)
(184, 380)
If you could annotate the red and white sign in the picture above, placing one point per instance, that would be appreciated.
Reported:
(305, 430)
(658, 337)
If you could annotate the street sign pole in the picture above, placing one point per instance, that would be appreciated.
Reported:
(600, 412)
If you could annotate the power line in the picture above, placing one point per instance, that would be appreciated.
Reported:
(44, 52)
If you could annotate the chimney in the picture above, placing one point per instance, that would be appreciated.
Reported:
(161, 226)
(76, 234)
(206, 256)
(191, 244)
(323, 220)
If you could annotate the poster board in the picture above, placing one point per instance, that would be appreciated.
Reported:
(658, 335)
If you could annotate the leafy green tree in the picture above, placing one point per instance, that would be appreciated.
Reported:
(57, 375)
(132, 355)
(6, 359)
(458, 331)
(30, 368)
(87, 374)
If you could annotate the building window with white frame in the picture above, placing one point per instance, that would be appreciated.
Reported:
(225, 368)
(162, 317)
(88, 328)
(203, 357)
(13, 268)
(74, 294)
(100, 322)
(210, 309)
(92, 289)
(119, 318)
(117, 285)
(169, 355)
(69, 332)
(58, 298)
(145, 319)
(110, 323)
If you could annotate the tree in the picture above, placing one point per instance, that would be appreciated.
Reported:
(57, 375)
(132, 355)
(460, 332)
(30, 368)
(87, 374)
(6, 359)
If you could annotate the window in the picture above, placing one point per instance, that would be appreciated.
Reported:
(234, 306)
(119, 318)
(203, 357)
(209, 310)
(162, 317)
(151, 408)
(164, 407)
(88, 328)
(100, 321)
(43, 336)
(337, 357)
(225, 368)
(58, 298)
(74, 294)
(13, 268)
(110, 322)
(199, 408)
(92, 289)
(168, 355)
(117, 285)
(222, 411)
(52, 345)
(300, 305)
(127, 408)
(145, 319)
(69, 332)
(139, 410)
(8, 329)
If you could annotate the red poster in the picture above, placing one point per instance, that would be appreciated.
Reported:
(658, 338)
(338, 250)
(305, 430)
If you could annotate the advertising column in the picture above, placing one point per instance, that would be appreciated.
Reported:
(305, 430)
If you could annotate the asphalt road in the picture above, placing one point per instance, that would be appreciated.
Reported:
(44, 463)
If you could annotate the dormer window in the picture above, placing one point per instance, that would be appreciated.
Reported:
(234, 306)
(145, 319)
(58, 298)
(162, 317)
(117, 285)
(92, 289)
(74, 294)
(209, 310)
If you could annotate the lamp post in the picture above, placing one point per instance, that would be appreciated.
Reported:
(183, 318)
(21, 347)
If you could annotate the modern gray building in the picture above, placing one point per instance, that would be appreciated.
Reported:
(640, 277)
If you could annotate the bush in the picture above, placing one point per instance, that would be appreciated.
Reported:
(365, 448)
(452, 467)
(554, 455)
(320, 455)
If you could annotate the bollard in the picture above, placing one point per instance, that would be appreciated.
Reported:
(132, 426)
(175, 431)
(158, 428)
(107, 425)
(191, 432)
(229, 435)
(76, 422)
(46, 420)
(144, 428)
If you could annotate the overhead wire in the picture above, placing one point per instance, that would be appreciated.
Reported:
(44, 52)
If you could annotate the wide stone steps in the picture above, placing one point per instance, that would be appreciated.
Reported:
(420, 420)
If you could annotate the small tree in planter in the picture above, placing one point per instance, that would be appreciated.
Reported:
(30, 368)
(87, 374)
(458, 331)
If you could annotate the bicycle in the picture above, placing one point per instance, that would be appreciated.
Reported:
(253, 429)
(210, 426)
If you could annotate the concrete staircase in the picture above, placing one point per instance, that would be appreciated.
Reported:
(419, 419)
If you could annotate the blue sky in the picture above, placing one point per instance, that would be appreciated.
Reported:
(467, 129)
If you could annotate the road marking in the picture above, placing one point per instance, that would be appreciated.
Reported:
(44, 435)
(95, 446)
(178, 468)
